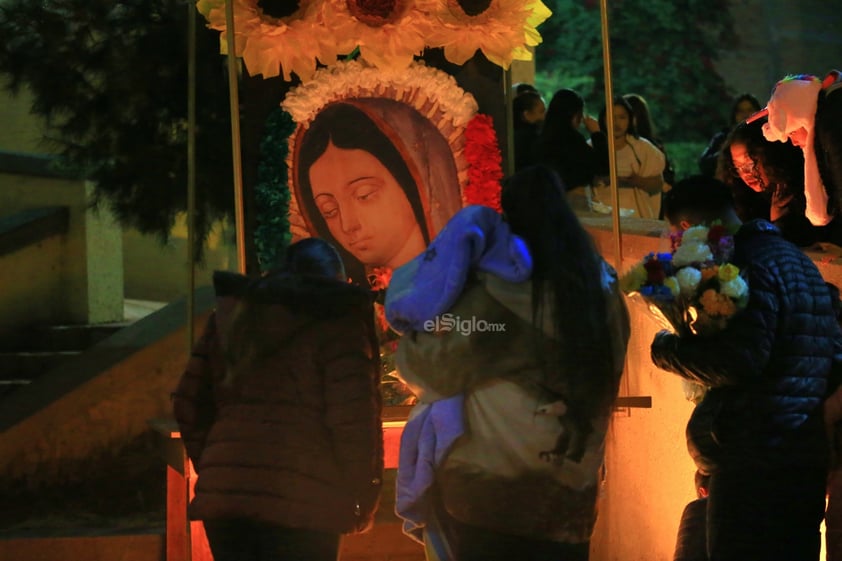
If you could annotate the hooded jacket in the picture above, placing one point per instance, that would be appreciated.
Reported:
(279, 407)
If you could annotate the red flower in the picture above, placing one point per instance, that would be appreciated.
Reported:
(716, 233)
(379, 278)
(655, 273)
(380, 317)
(675, 240)
(484, 163)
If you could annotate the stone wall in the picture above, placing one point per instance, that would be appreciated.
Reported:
(74, 278)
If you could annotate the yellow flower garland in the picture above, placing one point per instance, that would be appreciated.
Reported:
(268, 45)
(389, 34)
(503, 32)
(388, 42)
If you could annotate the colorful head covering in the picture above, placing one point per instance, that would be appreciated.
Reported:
(792, 111)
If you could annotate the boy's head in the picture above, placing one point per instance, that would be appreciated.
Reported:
(698, 200)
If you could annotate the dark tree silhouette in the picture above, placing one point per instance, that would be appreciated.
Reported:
(110, 79)
(661, 49)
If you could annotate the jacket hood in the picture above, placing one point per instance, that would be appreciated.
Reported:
(281, 305)
(309, 294)
(757, 226)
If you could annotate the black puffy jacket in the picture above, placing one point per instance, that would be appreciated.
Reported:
(768, 369)
(279, 406)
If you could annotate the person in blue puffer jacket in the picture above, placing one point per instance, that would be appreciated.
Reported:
(758, 432)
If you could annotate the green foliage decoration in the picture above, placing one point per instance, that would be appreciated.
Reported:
(272, 195)
(685, 157)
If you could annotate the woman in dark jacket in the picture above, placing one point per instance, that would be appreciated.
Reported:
(279, 410)
(528, 112)
(562, 147)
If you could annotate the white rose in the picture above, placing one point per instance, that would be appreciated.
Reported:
(696, 234)
(691, 253)
(735, 288)
(688, 279)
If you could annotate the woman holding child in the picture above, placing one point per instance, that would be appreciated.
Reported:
(521, 480)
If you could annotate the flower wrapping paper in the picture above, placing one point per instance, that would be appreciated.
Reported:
(693, 289)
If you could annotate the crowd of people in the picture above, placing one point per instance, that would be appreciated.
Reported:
(503, 456)
(767, 180)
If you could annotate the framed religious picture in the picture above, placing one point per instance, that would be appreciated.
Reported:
(378, 161)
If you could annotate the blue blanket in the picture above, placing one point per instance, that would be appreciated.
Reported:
(475, 239)
(428, 435)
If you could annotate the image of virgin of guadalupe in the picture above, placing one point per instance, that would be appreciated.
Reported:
(377, 179)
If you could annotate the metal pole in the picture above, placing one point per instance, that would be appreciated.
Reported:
(609, 124)
(236, 153)
(191, 167)
(510, 125)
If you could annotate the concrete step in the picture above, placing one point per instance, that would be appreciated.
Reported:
(9, 386)
(58, 338)
(77, 337)
(28, 365)
(28, 352)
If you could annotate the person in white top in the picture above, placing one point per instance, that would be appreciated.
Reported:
(640, 165)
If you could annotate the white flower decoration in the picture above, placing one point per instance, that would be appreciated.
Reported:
(688, 279)
(735, 288)
(696, 234)
(694, 252)
(428, 89)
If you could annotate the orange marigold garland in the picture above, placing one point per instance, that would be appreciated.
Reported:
(484, 163)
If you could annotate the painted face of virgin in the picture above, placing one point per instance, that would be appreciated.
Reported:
(747, 169)
(365, 208)
(621, 121)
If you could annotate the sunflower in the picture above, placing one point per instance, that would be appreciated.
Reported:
(502, 29)
(272, 45)
(389, 33)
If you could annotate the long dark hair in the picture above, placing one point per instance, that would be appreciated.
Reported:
(567, 274)
(640, 114)
(555, 135)
(314, 256)
(622, 102)
(736, 104)
(348, 127)
(564, 105)
(783, 162)
(522, 103)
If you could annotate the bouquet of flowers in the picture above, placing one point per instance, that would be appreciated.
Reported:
(693, 289)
